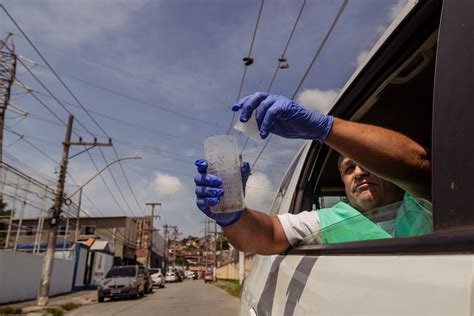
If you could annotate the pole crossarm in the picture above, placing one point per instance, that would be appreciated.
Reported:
(91, 144)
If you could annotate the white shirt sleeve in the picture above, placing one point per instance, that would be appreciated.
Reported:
(299, 226)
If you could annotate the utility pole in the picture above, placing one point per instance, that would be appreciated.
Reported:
(7, 77)
(165, 246)
(78, 216)
(175, 236)
(47, 270)
(152, 228)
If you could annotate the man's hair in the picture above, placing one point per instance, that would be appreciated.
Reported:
(339, 161)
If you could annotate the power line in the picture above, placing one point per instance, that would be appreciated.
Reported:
(195, 144)
(48, 179)
(51, 190)
(69, 91)
(333, 24)
(248, 56)
(137, 100)
(125, 122)
(93, 162)
(287, 44)
(282, 56)
(64, 123)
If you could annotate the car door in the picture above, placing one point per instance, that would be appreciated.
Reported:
(425, 275)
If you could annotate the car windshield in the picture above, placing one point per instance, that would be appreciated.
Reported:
(121, 272)
(153, 271)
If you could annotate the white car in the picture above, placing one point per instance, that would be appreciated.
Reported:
(157, 277)
(397, 87)
(171, 277)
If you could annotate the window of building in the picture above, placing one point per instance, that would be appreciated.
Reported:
(62, 230)
(88, 230)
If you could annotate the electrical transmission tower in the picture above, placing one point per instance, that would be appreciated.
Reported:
(7, 77)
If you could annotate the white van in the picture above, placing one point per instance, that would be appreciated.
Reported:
(419, 80)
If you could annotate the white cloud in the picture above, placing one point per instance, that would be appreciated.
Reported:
(395, 10)
(165, 184)
(79, 21)
(316, 99)
(259, 193)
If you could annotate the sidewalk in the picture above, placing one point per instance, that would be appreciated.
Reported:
(80, 298)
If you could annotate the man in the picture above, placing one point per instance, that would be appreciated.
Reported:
(377, 166)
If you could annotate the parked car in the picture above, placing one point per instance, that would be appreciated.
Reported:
(157, 278)
(171, 277)
(122, 281)
(418, 79)
(148, 280)
(189, 274)
(208, 277)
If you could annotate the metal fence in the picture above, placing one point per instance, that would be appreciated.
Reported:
(28, 198)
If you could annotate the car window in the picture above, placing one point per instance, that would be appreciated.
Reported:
(341, 223)
(121, 272)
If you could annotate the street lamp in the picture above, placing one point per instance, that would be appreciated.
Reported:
(43, 291)
(68, 198)
(100, 171)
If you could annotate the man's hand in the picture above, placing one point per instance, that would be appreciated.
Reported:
(281, 116)
(209, 190)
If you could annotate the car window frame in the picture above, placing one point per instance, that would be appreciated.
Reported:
(455, 238)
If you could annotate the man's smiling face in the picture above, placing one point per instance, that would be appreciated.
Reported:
(364, 190)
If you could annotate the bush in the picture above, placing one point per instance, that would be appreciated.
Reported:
(9, 310)
(56, 311)
(230, 286)
(70, 306)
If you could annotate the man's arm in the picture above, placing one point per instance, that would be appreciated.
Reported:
(385, 153)
(257, 232)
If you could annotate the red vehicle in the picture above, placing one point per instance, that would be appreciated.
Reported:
(208, 277)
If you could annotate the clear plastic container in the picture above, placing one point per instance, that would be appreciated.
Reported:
(222, 155)
(250, 128)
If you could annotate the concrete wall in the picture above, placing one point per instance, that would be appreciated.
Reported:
(231, 270)
(20, 276)
(101, 265)
(81, 265)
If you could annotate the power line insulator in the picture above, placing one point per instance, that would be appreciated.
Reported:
(283, 63)
(247, 61)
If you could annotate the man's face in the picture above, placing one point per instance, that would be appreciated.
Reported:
(364, 190)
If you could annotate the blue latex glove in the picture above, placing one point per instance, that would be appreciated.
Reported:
(209, 190)
(281, 116)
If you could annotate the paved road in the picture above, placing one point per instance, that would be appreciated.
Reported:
(176, 299)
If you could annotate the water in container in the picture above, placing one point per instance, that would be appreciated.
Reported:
(222, 155)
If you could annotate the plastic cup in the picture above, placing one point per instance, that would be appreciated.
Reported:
(222, 155)
(250, 128)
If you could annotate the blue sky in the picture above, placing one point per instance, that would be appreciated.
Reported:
(165, 74)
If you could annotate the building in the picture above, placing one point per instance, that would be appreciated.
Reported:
(129, 236)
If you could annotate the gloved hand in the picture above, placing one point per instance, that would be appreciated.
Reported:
(209, 190)
(281, 116)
